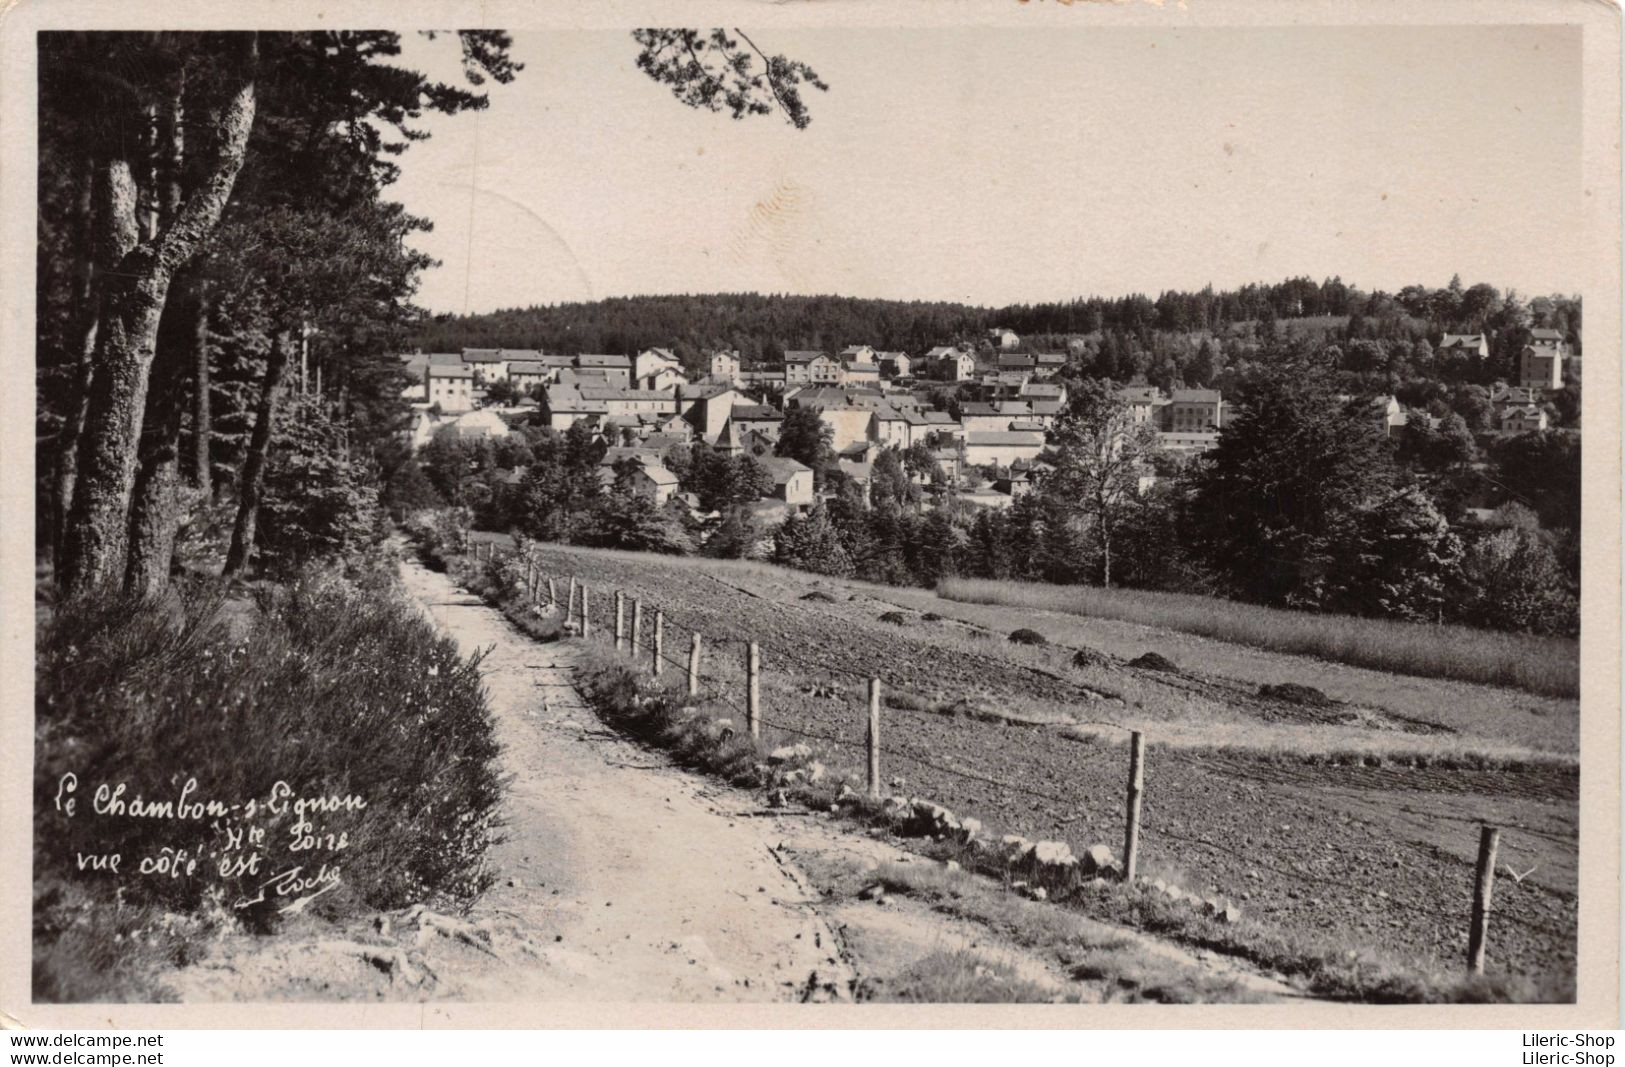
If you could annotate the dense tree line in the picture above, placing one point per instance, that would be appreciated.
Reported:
(1137, 328)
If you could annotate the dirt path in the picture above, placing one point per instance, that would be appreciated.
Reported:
(641, 887)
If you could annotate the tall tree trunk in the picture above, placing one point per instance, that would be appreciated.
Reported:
(108, 235)
(132, 303)
(202, 466)
(155, 501)
(259, 450)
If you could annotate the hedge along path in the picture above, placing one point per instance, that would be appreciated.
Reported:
(1478, 911)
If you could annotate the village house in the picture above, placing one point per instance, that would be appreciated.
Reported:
(1049, 363)
(525, 375)
(951, 364)
(768, 377)
(1541, 366)
(623, 401)
(1504, 398)
(1001, 448)
(725, 366)
(657, 368)
(983, 417)
(848, 422)
(1003, 338)
(792, 480)
(860, 373)
(893, 364)
(617, 370)
(1187, 441)
(857, 354)
(1145, 402)
(655, 484)
(706, 405)
(1528, 419)
(862, 474)
(1465, 344)
(478, 424)
(756, 418)
(1192, 411)
(490, 364)
(804, 368)
(888, 426)
(451, 387)
(566, 405)
(1054, 391)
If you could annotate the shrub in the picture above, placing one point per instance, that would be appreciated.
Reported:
(1153, 661)
(896, 618)
(1027, 637)
(1292, 693)
(332, 688)
(1088, 657)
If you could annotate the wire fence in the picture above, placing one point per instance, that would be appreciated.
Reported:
(721, 672)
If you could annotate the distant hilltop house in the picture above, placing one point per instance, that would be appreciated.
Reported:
(1465, 344)
(1003, 338)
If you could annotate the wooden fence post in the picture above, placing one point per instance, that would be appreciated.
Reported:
(874, 738)
(694, 667)
(1489, 841)
(637, 627)
(660, 641)
(570, 608)
(552, 594)
(1136, 786)
(753, 690)
(586, 614)
(620, 620)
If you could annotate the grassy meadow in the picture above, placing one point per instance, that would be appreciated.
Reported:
(1549, 666)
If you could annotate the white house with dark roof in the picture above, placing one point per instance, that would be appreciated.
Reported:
(1465, 344)
(985, 448)
(792, 480)
(657, 368)
(726, 365)
(803, 367)
(1541, 366)
(451, 386)
(1193, 411)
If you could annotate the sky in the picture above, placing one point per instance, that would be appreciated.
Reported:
(996, 166)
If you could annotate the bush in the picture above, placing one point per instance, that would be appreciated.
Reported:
(1153, 661)
(896, 618)
(1088, 657)
(334, 689)
(1306, 695)
(1027, 637)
